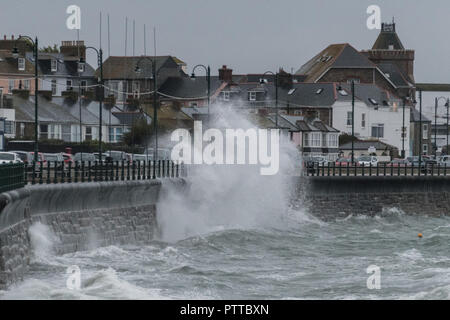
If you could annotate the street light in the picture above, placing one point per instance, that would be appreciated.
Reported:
(262, 80)
(353, 117)
(155, 92)
(15, 54)
(208, 80)
(81, 64)
(447, 104)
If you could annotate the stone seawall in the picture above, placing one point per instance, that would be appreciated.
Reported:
(331, 197)
(81, 216)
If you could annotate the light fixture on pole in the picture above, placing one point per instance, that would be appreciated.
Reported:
(208, 81)
(262, 81)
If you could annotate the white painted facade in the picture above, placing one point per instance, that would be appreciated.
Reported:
(387, 121)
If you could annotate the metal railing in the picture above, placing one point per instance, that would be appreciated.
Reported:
(381, 169)
(87, 171)
(12, 176)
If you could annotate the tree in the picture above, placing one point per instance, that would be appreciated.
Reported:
(140, 132)
(50, 49)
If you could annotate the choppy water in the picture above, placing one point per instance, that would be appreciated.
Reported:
(304, 259)
(235, 234)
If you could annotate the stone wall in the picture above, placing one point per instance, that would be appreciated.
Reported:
(82, 216)
(331, 197)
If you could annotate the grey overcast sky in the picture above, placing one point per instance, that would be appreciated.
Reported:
(249, 36)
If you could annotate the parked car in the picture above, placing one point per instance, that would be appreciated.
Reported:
(163, 153)
(142, 157)
(343, 162)
(41, 158)
(367, 161)
(116, 156)
(23, 155)
(398, 163)
(9, 157)
(83, 157)
(68, 158)
(445, 161)
(55, 160)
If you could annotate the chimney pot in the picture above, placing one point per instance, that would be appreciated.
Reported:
(12, 37)
(4, 37)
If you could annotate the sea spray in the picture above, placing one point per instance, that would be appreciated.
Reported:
(43, 242)
(227, 196)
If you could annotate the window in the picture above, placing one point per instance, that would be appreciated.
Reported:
(22, 129)
(54, 87)
(115, 134)
(319, 91)
(11, 85)
(378, 131)
(226, 96)
(252, 96)
(425, 131)
(88, 134)
(324, 140)
(69, 85)
(136, 89)
(291, 91)
(83, 86)
(315, 141)
(26, 84)
(193, 104)
(349, 118)
(363, 120)
(21, 64)
(425, 149)
(332, 140)
(306, 139)
(54, 65)
(80, 67)
(43, 131)
(9, 127)
(342, 92)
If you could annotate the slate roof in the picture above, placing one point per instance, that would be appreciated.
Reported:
(415, 116)
(334, 56)
(121, 67)
(67, 65)
(128, 118)
(388, 36)
(393, 72)
(301, 123)
(185, 87)
(306, 94)
(9, 65)
(366, 91)
(47, 112)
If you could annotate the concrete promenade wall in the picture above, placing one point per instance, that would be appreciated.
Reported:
(82, 216)
(331, 197)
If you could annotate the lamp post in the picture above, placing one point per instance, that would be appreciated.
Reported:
(15, 54)
(276, 93)
(81, 64)
(352, 87)
(420, 130)
(155, 93)
(436, 102)
(403, 130)
(208, 80)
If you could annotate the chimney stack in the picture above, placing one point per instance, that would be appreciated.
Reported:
(225, 74)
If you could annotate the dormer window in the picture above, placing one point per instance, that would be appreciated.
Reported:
(81, 67)
(226, 95)
(252, 96)
(54, 65)
(21, 64)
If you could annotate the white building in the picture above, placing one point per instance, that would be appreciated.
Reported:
(378, 115)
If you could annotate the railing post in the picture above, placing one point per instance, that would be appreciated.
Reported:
(128, 170)
(363, 169)
(33, 179)
(69, 176)
(133, 165)
(83, 171)
(76, 172)
(378, 169)
(41, 169)
(89, 171)
(438, 169)
(122, 174)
